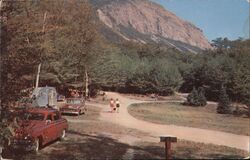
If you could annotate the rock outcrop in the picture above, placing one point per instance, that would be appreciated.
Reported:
(144, 21)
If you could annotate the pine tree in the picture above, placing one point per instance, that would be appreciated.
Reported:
(224, 102)
(197, 98)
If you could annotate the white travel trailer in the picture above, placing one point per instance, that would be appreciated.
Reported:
(44, 97)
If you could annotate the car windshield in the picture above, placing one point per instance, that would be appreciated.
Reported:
(34, 116)
(74, 101)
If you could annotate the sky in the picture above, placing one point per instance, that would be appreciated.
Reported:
(217, 18)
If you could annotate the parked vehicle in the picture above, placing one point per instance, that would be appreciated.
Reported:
(61, 98)
(44, 97)
(74, 106)
(37, 127)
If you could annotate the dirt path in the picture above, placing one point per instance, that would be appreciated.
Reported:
(155, 130)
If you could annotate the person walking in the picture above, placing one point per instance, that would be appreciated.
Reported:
(112, 104)
(117, 104)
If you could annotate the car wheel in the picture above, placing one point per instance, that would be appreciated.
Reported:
(84, 111)
(63, 135)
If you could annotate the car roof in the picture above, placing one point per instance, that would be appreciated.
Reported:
(41, 110)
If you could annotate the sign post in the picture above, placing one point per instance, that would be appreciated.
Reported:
(168, 139)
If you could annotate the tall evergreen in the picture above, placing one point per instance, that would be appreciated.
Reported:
(224, 102)
(197, 98)
(192, 98)
(201, 96)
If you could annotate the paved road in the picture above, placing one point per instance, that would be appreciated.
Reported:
(155, 130)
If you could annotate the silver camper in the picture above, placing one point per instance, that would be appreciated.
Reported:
(44, 97)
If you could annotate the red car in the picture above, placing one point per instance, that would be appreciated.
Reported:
(74, 106)
(37, 127)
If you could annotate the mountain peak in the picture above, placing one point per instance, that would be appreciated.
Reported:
(146, 21)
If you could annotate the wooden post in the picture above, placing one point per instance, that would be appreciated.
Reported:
(168, 139)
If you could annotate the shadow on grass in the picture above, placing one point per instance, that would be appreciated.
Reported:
(158, 152)
(84, 146)
(192, 150)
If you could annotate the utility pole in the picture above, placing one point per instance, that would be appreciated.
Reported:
(37, 76)
(1, 3)
(44, 21)
(39, 66)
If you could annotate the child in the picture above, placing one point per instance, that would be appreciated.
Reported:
(117, 104)
(112, 104)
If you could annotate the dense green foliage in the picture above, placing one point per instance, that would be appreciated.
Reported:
(58, 34)
(135, 68)
(21, 48)
(155, 77)
(149, 68)
(229, 66)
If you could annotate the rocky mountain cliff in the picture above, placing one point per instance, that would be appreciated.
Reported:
(145, 21)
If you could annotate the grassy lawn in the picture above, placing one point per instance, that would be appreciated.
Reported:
(198, 117)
